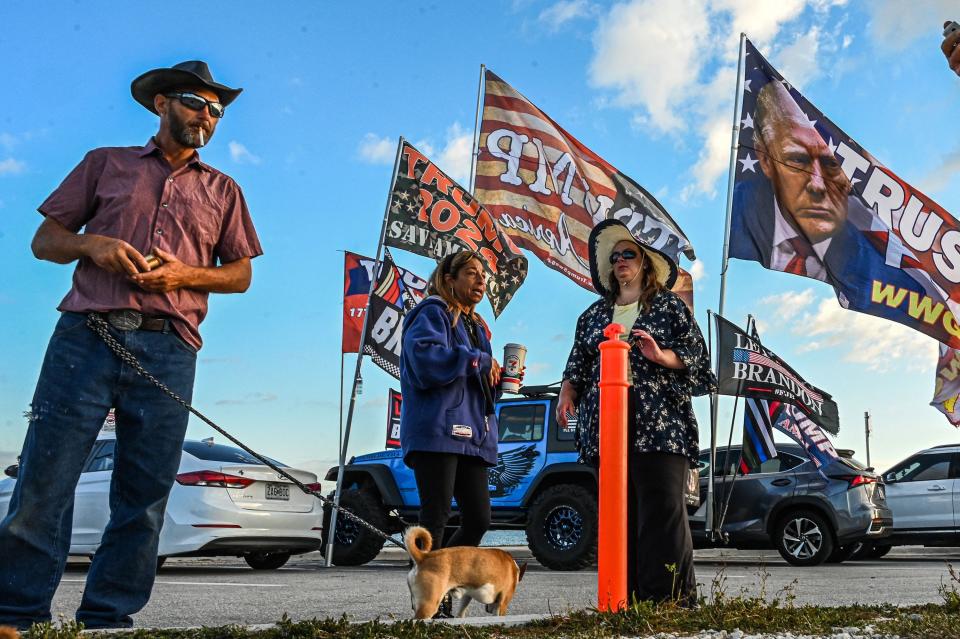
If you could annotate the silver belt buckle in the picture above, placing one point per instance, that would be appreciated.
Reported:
(125, 320)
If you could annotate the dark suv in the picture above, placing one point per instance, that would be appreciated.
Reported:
(537, 486)
(809, 516)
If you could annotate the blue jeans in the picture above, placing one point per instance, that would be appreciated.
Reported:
(80, 381)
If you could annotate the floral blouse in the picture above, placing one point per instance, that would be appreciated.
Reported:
(663, 418)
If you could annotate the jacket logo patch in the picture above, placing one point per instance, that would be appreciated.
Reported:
(462, 430)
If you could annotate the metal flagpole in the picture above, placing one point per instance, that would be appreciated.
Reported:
(866, 432)
(476, 132)
(331, 533)
(734, 149)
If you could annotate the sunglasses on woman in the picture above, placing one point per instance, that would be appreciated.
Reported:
(196, 102)
(627, 254)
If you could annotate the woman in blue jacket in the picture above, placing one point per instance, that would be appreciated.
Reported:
(449, 381)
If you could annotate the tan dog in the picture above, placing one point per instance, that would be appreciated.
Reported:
(488, 575)
(6, 632)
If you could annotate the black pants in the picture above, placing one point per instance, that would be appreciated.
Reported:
(659, 546)
(443, 476)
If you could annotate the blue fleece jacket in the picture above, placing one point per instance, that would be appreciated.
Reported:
(441, 372)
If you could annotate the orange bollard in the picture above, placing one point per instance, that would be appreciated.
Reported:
(612, 525)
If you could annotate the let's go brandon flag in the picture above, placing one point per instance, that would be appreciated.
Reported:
(547, 190)
(432, 215)
(810, 201)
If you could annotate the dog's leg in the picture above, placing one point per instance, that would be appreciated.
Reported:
(464, 602)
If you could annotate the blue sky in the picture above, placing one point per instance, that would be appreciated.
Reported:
(329, 87)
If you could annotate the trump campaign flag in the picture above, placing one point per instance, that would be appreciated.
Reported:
(947, 388)
(747, 369)
(430, 214)
(396, 292)
(810, 201)
(791, 421)
(547, 190)
(357, 272)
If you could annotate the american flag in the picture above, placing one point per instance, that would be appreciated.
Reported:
(744, 356)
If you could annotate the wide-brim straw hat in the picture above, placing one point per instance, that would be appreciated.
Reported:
(190, 74)
(604, 237)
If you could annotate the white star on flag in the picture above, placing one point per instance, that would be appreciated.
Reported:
(748, 164)
(746, 86)
(831, 145)
(747, 122)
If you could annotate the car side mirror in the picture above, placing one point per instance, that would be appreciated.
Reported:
(12, 470)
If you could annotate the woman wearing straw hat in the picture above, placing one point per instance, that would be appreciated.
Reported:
(668, 364)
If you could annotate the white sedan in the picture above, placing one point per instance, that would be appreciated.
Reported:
(224, 503)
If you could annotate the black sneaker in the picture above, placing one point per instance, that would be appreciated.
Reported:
(445, 611)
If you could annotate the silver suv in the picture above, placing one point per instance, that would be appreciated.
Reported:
(924, 494)
(810, 516)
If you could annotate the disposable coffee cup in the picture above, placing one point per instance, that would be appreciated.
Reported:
(513, 358)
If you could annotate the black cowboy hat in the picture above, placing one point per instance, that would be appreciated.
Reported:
(191, 74)
(604, 237)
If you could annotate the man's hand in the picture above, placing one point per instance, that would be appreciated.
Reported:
(494, 375)
(114, 255)
(169, 276)
(951, 50)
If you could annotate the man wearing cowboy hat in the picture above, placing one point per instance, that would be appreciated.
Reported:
(161, 231)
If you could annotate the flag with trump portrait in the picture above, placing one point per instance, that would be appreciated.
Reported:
(430, 214)
(547, 190)
(810, 201)
(746, 368)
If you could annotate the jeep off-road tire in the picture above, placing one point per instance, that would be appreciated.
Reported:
(804, 538)
(562, 527)
(354, 545)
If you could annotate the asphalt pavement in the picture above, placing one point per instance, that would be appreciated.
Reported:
(220, 591)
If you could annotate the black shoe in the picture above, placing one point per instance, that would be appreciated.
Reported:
(445, 611)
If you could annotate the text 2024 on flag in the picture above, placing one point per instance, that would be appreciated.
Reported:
(432, 215)
(747, 369)
(809, 200)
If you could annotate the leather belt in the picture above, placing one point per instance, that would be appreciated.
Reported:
(130, 320)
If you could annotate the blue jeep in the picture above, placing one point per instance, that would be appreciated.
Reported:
(537, 485)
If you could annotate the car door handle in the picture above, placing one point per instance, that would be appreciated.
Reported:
(781, 482)
(936, 487)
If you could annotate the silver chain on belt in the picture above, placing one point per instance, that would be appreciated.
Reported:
(99, 326)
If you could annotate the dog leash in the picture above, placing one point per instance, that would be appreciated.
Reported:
(97, 324)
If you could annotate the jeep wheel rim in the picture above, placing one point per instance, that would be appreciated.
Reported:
(802, 538)
(347, 532)
(563, 527)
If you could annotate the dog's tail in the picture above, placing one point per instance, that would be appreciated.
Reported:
(414, 538)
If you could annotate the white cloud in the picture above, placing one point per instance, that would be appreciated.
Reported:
(559, 14)
(788, 304)
(376, 150)
(697, 270)
(241, 155)
(10, 166)
(895, 24)
(653, 55)
(876, 343)
(453, 157)
(7, 141)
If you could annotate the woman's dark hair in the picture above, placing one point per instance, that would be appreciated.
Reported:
(451, 265)
(649, 284)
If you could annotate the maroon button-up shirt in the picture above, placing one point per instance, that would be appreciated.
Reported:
(196, 213)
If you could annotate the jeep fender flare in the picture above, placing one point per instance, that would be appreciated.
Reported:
(561, 474)
(378, 474)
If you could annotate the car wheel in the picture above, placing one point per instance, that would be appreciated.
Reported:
(266, 560)
(562, 527)
(354, 545)
(804, 538)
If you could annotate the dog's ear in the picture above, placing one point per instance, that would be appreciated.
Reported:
(523, 569)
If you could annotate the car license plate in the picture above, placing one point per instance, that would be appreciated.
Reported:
(278, 491)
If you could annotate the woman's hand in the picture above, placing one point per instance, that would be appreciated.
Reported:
(494, 375)
(651, 350)
(566, 403)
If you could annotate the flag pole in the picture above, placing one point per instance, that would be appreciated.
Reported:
(475, 157)
(734, 149)
(331, 533)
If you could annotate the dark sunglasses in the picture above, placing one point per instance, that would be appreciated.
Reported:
(196, 102)
(627, 254)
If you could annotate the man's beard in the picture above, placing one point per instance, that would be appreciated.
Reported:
(188, 136)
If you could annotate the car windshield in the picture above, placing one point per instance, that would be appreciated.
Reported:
(221, 453)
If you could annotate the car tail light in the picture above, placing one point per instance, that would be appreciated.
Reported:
(211, 478)
(315, 486)
(856, 480)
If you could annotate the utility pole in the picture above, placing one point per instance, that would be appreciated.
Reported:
(866, 430)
